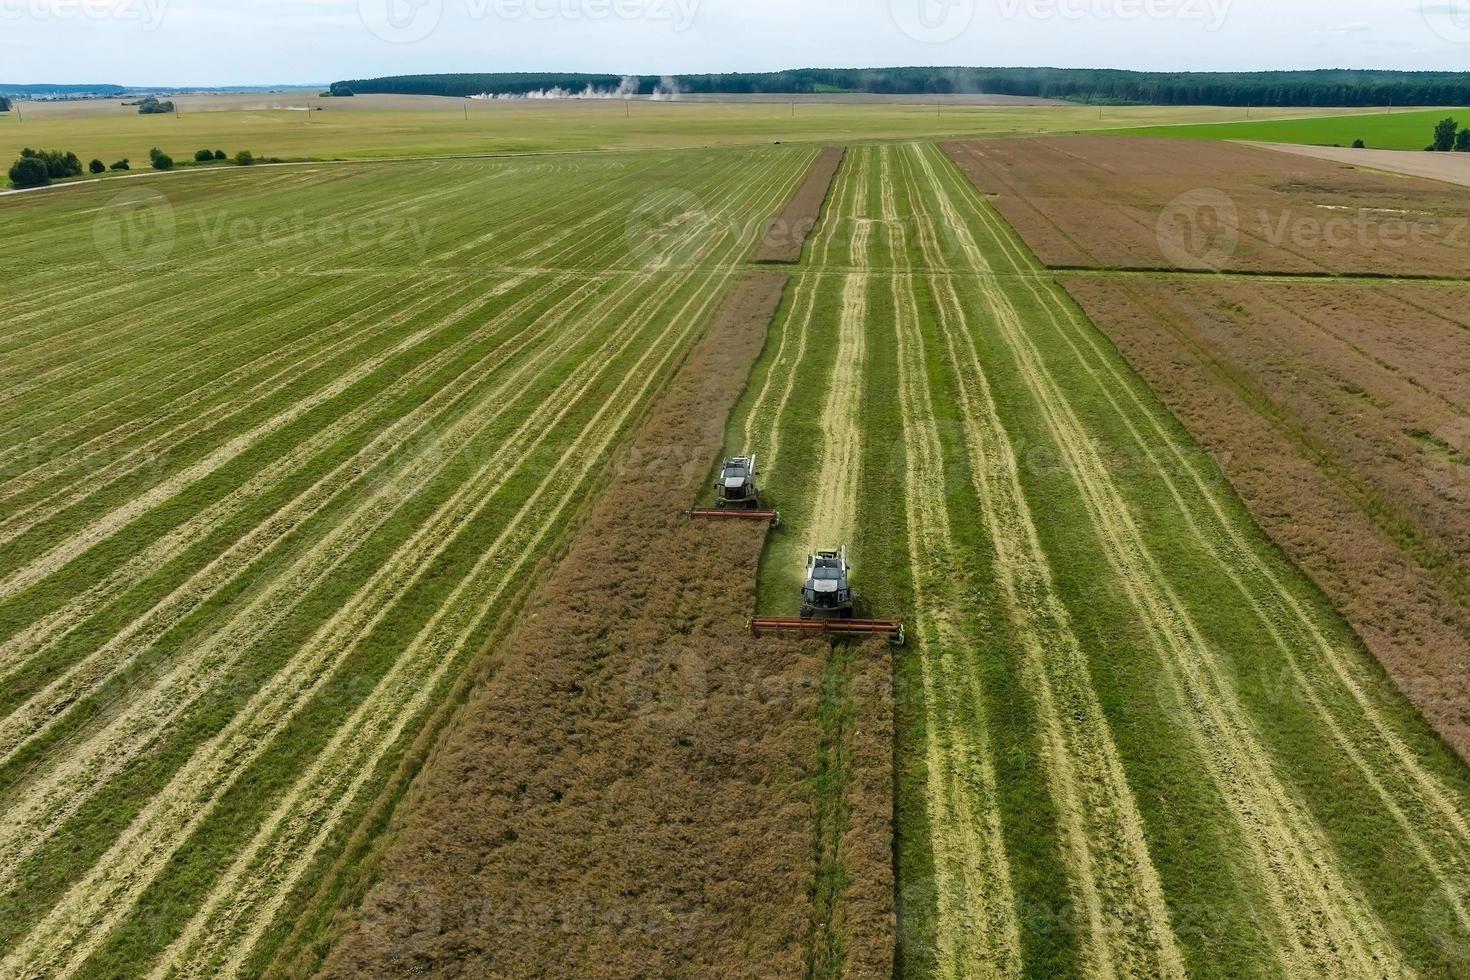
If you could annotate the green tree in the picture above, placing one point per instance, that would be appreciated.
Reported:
(220, 155)
(97, 166)
(244, 158)
(30, 171)
(1444, 135)
(1462, 141)
(122, 164)
(1359, 145)
(203, 156)
(160, 159)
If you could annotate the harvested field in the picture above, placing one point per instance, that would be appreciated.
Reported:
(636, 760)
(1342, 414)
(1447, 167)
(257, 525)
(787, 233)
(1148, 204)
(1131, 738)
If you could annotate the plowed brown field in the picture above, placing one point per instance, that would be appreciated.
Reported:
(1342, 415)
(1128, 203)
(632, 793)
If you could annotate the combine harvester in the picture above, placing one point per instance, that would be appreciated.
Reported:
(738, 496)
(828, 604)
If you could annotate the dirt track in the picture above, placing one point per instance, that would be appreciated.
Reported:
(1452, 168)
(631, 793)
(787, 233)
(1130, 203)
(1342, 416)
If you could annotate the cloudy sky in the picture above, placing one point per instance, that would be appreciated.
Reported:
(233, 42)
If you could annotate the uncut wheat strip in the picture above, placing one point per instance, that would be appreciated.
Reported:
(971, 867)
(84, 539)
(764, 422)
(296, 830)
(1427, 798)
(1102, 825)
(310, 356)
(438, 655)
(128, 420)
(57, 793)
(1237, 553)
(45, 708)
(1331, 929)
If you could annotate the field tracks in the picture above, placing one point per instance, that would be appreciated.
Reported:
(74, 928)
(1418, 801)
(1102, 830)
(1328, 926)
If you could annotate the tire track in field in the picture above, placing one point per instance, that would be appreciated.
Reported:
(764, 423)
(78, 543)
(50, 706)
(977, 933)
(201, 392)
(73, 362)
(290, 839)
(297, 364)
(389, 708)
(1424, 802)
(46, 802)
(835, 508)
(1102, 829)
(58, 792)
(1330, 929)
(38, 635)
(99, 443)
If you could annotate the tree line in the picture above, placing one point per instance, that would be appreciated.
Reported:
(1331, 87)
(5, 103)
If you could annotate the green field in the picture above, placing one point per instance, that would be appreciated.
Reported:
(274, 470)
(375, 127)
(283, 449)
(1135, 741)
(1405, 130)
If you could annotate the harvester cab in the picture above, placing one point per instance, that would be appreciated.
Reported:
(738, 495)
(827, 592)
(737, 484)
(828, 605)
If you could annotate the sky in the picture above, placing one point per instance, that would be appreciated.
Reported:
(242, 42)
